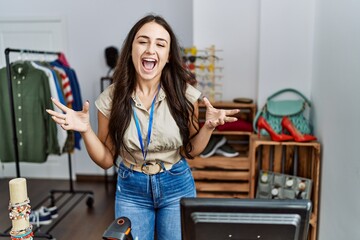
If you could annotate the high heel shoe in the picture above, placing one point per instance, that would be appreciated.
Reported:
(287, 124)
(263, 124)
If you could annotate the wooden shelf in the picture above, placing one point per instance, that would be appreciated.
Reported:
(222, 195)
(219, 176)
(282, 155)
(227, 133)
(248, 109)
(238, 163)
(229, 104)
(220, 186)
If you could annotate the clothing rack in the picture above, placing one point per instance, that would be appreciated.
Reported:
(71, 192)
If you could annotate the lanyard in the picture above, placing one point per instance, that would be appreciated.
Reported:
(144, 147)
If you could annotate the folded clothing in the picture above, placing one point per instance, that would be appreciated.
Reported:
(239, 125)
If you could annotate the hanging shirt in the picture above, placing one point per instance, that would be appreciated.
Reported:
(35, 130)
(61, 133)
(58, 81)
(76, 93)
(66, 86)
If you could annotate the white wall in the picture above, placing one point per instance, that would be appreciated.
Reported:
(335, 91)
(266, 45)
(232, 26)
(285, 46)
(91, 26)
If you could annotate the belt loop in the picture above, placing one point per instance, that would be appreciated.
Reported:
(162, 165)
(131, 167)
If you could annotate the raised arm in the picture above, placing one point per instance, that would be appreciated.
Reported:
(214, 117)
(98, 146)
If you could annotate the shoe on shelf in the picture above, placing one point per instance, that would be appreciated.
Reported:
(227, 151)
(52, 210)
(263, 124)
(287, 124)
(215, 142)
(39, 218)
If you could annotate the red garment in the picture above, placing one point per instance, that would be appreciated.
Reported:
(239, 125)
(63, 60)
(66, 86)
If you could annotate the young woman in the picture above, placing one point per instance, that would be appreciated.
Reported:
(148, 117)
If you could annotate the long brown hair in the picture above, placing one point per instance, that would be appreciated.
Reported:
(174, 80)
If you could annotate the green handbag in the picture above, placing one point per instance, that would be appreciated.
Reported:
(274, 110)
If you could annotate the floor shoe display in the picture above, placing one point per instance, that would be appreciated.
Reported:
(215, 142)
(40, 218)
(52, 210)
(227, 151)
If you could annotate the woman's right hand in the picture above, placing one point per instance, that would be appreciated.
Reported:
(69, 119)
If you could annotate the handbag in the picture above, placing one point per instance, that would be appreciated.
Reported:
(274, 110)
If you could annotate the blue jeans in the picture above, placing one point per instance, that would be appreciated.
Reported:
(152, 203)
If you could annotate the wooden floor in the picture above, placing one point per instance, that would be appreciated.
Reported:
(79, 222)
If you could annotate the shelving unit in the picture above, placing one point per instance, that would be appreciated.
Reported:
(293, 158)
(204, 65)
(219, 176)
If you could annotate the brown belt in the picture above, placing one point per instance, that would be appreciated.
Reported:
(149, 168)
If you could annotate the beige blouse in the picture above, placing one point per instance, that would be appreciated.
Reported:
(165, 140)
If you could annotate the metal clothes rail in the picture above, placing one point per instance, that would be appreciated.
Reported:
(70, 192)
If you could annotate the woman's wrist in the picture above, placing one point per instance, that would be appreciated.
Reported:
(87, 130)
(209, 128)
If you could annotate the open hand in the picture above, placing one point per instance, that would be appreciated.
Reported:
(215, 117)
(69, 119)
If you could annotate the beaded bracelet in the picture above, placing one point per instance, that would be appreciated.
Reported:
(19, 210)
(26, 201)
(22, 234)
(28, 236)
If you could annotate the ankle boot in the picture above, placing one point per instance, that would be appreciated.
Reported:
(287, 124)
(263, 124)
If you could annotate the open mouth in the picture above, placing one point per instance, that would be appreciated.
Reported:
(149, 63)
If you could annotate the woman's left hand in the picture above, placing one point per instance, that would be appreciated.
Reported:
(215, 117)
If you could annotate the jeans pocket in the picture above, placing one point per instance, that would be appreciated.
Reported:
(179, 168)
